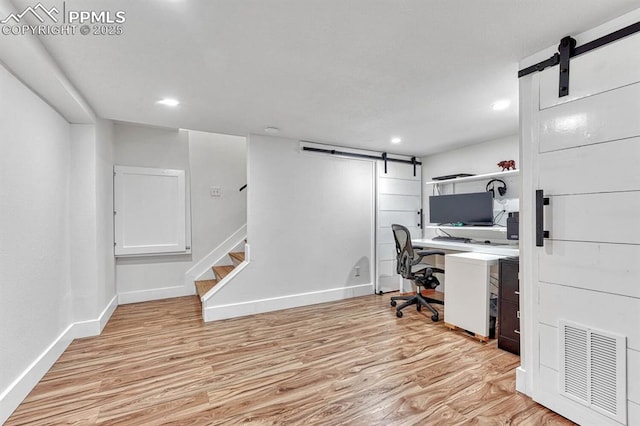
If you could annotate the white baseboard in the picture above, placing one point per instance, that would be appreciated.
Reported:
(521, 380)
(94, 327)
(546, 392)
(213, 313)
(155, 294)
(17, 391)
(107, 312)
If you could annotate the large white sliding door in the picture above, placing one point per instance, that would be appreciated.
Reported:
(582, 286)
(399, 199)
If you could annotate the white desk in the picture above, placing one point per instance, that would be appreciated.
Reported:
(468, 292)
(467, 282)
(499, 249)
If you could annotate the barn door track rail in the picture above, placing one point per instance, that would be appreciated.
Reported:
(568, 49)
(384, 157)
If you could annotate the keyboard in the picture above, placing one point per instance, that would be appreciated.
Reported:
(452, 239)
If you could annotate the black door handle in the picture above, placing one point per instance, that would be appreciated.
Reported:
(541, 201)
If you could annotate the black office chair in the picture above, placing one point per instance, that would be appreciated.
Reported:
(408, 265)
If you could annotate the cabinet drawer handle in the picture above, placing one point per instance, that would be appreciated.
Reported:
(516, 331)
(517, 292)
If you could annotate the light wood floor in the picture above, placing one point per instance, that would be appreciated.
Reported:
(348, 362)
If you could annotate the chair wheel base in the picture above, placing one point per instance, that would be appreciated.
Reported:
(399, 314)
(434, 318)
(393, 303)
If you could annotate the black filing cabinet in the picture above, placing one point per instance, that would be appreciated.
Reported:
(509, 305)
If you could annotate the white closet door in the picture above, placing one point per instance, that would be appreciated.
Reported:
(583, 151)
(399, 199)
(149, 211)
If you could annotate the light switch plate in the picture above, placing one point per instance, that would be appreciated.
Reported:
(215, 191)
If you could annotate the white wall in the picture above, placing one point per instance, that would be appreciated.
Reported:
(216, 160)
(106, 268)
(221, 161)
(91, 230)
(82, 197)
(153, 277)
(310, 224)
(474, 159)
(55, 240)
(35, 293)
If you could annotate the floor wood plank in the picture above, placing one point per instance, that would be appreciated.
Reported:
(347, 362)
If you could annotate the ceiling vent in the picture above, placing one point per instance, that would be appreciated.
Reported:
(593, 369)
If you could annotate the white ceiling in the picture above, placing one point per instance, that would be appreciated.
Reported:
(347, 72)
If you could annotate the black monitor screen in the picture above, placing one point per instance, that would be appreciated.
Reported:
(469, 209)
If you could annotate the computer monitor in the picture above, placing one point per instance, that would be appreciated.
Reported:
(472, 209)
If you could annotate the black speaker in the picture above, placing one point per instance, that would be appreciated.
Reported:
(497, 184)
(513, 222)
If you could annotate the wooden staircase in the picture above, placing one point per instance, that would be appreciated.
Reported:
(203, 286)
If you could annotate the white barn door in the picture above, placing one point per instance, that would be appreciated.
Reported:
(582, 286)
(399, 199)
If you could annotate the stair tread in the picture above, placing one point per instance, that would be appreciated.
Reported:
(222, 271)
(238, 255)
(203, 286)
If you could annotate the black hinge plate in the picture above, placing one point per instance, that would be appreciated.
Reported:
(567, 45)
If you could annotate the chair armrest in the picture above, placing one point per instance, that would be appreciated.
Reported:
(423, 253)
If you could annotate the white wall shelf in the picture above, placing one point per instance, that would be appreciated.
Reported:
(468, 228)
(475, 177)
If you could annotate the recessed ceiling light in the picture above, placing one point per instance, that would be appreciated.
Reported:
(396, 140)
(168, 102)
(501, 105)
(271, 130)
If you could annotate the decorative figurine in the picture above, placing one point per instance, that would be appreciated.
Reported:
(507, 165)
